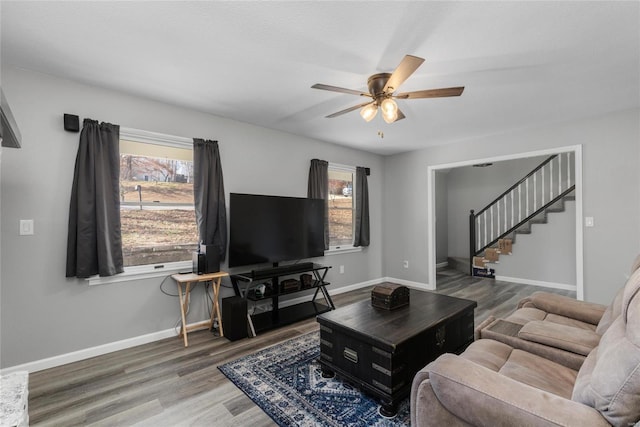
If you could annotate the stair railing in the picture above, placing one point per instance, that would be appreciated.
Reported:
(545, 185)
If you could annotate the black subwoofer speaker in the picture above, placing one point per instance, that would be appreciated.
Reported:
(234, 318)
(212, 258)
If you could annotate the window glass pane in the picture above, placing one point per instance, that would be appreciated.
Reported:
(340, 208)
(153, 236)
(157, 206)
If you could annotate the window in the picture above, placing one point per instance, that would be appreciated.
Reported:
(156, 201)
(341, 206)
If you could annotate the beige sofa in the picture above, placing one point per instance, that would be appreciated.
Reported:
(555, 327)
(495, 384)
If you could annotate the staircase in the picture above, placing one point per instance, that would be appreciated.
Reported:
(493, 230)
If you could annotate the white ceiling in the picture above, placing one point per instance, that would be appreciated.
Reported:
(523, 64)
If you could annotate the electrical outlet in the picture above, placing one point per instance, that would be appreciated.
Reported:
(342, 269)
(405, 264)
(588, 221)
(26, 227)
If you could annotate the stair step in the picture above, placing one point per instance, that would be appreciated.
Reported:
(538, 221)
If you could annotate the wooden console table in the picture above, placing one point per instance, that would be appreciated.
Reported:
(193, 279)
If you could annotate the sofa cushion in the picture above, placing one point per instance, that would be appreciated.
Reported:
(522, 366)
(611, 313)
(609, 379)
(564, 306)
(575, 340)
(615, 308)
(528, 314)
(635, 265)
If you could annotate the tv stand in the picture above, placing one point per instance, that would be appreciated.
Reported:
(281, 270)
(247, 285)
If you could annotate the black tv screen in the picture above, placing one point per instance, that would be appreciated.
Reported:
(274, 229)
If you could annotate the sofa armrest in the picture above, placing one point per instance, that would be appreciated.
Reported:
(564, 306)
(565, 337)
(477, 332)
(482, 397)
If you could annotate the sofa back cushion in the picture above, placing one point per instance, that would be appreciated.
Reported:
(635, 265)
(611, 313)
(609, 379)
(615, 309)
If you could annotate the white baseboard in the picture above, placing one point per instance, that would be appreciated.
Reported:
(537, 283)
(75, 356)
(410, 284)
(442, 264)
(356, 286)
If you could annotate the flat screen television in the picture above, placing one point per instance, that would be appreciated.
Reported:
(272, 229)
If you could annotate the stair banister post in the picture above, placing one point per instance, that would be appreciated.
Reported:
(559, 174)
(472, 240)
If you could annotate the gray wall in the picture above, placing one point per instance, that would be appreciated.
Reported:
(548, 254)
(43, 314)
(610, 194)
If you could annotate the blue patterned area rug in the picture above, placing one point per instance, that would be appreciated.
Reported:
(286, 382)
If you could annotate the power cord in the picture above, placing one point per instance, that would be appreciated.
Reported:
(163, 291)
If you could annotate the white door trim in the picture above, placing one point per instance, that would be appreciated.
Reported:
(431, 193)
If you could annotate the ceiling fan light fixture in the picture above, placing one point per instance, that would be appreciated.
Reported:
(389, 110)
(389, 106)
(390, 118)
(369, 112)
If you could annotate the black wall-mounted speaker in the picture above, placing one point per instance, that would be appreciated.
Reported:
(234, 318)
(71, 123)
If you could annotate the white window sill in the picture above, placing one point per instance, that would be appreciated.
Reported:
(343, 250)
(142, 272)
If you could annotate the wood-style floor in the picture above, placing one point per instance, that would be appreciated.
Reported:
(165, 384)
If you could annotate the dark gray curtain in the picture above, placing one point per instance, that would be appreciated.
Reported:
(94, 243)
(361, 232)
(318, 188)
(208, 190)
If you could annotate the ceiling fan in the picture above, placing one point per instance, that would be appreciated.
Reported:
(382, 88)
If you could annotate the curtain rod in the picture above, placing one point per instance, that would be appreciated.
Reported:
(349, 167)
(72, 124)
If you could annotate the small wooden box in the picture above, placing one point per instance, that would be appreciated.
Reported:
(505, 246)
(389, 296)
(491, 255)
(289, 285)
(306, 280)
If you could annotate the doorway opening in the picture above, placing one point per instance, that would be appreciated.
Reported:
(576, 150)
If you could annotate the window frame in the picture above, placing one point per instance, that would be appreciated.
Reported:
(339, 249)
(138, 272)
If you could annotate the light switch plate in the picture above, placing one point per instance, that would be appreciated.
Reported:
(588, 221)
(26, 227)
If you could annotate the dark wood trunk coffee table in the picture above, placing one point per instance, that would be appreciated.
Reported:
(381, 350)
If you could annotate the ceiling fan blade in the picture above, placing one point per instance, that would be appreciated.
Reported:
(348, 110)
(432, 93)
(407, 66)
(400, 116)
(339, 89)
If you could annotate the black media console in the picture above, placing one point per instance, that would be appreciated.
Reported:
(258, 285)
